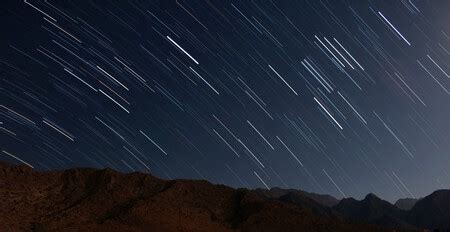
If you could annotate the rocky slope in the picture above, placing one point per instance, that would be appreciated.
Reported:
(105, 200)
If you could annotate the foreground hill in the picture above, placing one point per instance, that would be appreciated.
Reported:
(432, 211)
(106, 200)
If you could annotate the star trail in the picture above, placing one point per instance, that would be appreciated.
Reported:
(338, 97)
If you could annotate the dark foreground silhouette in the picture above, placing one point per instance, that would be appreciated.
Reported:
(105, 200)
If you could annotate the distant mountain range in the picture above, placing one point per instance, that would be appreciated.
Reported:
(406, 203)
(431, 212)
(87, 199)
(322, 199)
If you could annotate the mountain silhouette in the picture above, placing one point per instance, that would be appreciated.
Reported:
(432, 211)
(405, 203)
(322, 199)
(86, 199)
(373, 210)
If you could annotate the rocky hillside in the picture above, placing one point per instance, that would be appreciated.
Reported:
(106, 200)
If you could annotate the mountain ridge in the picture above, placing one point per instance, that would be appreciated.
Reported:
(87, 199)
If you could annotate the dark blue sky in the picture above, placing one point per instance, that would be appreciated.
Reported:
(338, 97)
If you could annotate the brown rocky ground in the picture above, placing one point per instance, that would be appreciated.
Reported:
(106, 200)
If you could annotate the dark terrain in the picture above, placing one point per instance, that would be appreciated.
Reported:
(405, 203)
(105, 200)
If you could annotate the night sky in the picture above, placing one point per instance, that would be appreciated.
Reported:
(337, 97)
